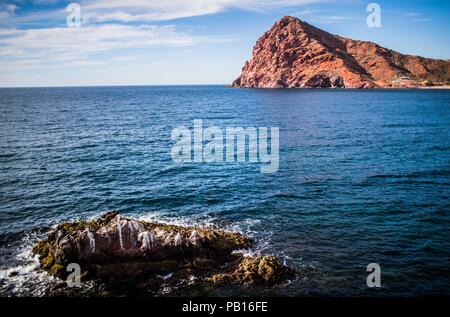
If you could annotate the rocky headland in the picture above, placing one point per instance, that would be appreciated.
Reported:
(295, 54)
(139, 257)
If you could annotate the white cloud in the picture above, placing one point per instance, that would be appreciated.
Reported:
(338, 18)
(151, 10)
(51, 46)
(7, 11)
(157, 10)
(58, 44)
(10, 7)
(117, 16)
(422, 20)
(44, 1)
(305, 12)
(96, 38)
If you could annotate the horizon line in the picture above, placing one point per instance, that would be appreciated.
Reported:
(119, 85)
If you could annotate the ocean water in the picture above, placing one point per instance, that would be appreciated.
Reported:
(364, 177)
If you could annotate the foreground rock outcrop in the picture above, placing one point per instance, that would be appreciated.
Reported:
(295, 54)
(148, 255)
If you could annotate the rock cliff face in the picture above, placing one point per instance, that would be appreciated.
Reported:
(294, 54)
(150, 256)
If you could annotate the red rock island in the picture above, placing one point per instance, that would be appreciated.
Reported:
(295, 54)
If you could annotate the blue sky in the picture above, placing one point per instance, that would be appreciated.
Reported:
(139, 42)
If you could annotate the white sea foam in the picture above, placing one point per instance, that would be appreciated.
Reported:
(248, 227)
(165, 277)
(25, 278)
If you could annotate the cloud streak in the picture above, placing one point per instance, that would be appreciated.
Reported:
(50, 46)
(102, 32)
(152, 10)
(160, 10)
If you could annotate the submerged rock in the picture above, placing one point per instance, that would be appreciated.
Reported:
(260, 270)
(151, 254)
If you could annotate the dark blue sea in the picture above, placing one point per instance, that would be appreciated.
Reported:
(364, 177)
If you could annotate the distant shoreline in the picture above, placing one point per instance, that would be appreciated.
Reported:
(435, 87)
(445, 87)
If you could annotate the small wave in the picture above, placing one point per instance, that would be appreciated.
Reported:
(222, 117)
(287, 195)
(261, 247)
(24, 278)
(439, 148)
(418, 174)
(397, 125)
(174, 169)
(161, 200)
(7, 155)
(420, 182)
(18, 270)
(203, 220)
(200, 220)
(11, 181)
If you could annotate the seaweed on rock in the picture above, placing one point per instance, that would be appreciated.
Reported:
(118, 248)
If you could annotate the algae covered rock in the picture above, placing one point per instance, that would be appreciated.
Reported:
(119, 248)
(260, 270)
